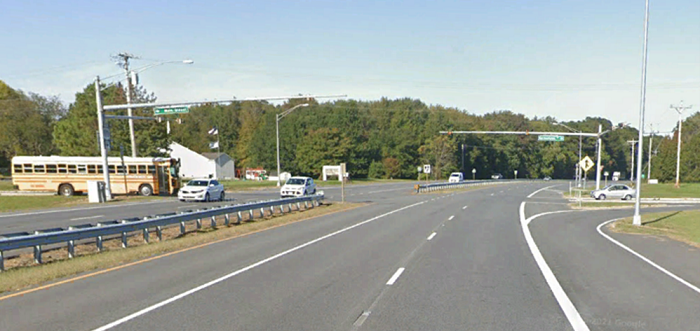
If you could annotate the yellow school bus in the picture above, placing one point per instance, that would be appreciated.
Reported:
(68, 175)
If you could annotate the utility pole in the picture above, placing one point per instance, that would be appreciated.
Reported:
(597, 166)
(103, 147)
(123, 59)
(637, 218)
(632, 142)
(679, 109)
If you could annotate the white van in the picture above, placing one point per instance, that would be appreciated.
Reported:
(456, 177)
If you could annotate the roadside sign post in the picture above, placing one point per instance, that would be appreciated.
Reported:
(474, 174)
(516, 174)
(585, 165)
(426, 170)
(606, 178)
(420, 170)
(342, 175)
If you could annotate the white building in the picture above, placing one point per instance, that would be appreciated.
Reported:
(195, 165)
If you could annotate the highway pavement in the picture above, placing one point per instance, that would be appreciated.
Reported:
(485, 259)
(63, 217)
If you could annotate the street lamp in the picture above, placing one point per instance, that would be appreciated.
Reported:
(679, 110)
(132, 77)
(278, 117)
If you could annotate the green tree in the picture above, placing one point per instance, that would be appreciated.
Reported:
(322, 147)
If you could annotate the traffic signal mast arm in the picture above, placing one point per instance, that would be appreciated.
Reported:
(525, 133)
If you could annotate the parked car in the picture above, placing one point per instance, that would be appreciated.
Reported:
(298, 186)
(456, 177)
(202, 190)
(620, 191)
(496, 176)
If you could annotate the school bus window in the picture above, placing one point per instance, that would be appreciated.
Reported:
(120, 169)
(72, 169)
(99, 169)
(82, 169)
(112, 169)
(132, 169)
(28, 169)
(62, 169)
(92, 169)
(51, 169)
(17, 168)
(39, 168)
(142, 169)
(151, 169)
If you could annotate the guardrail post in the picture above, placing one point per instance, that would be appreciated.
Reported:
(199, 223)
(290, 207)
(262, 212)
(272, 210)
(98, 242)
(125, 239)
(213, 221)
(37, 251)
(306, 205)
(145, 235)
(240, 217)
(182, 227)
(71, 246)
(2, 262)
(159, 232)
(227, 220)
(298, 206)
(281, 209)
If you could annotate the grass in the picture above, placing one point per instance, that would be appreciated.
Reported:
(249, 185)
(652, 191)
(683, 226)
(606, 205)
(6, 185)
(25, 274)
(688, 190)
(16, 203)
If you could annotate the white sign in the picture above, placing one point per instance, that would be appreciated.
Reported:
(473, 171)
(587, 163)
(420, 169)
(606, 174)
(426, 168)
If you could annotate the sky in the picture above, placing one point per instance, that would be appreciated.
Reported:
(566, 59)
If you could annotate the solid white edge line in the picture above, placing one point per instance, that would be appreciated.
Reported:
(451, 217)
(432, 235)
(643, 258)
(86, 217)
(538, 191)
(396, 275)
(239, 271)
(565, 303)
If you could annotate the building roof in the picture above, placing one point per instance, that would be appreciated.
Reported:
(212, 156)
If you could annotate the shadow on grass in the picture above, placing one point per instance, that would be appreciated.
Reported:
(661, 218)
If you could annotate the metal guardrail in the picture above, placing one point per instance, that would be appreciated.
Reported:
(18, 240)
(422, 188)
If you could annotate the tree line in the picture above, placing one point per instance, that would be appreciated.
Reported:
(377, 139)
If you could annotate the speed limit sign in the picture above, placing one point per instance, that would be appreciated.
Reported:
(426, 168)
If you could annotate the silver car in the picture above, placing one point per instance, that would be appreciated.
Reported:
(619, 191)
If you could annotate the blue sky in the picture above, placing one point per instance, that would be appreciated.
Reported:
(568, 59)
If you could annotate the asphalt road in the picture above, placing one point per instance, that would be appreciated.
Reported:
(450, 261)
(63, 217)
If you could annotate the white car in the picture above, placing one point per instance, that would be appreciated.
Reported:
(202, 190)
(298, 186)
(456, 177)
(620, 191)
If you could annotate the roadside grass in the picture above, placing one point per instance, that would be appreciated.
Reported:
(22, 272)
(652, 191)
(17, 203)
(6, 185)
(250, 185)
(682, 226)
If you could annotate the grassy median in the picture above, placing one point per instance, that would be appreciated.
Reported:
(29, 202)
(683, 226)
(653, 191)
(611, 205)
(22, 272)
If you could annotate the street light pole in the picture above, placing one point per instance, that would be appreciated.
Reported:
(680, 110)
(597, 167)
(637, 219)
(103, 147)
(278, 117)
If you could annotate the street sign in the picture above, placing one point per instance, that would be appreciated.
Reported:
(587, 163)
(550, 138)
(473, 171)
(171, 110)
(426, 168)
(420, 169)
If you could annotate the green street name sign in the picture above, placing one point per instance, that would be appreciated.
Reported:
(550, 138)
(173, 110)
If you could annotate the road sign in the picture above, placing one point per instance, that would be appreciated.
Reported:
(426, 168)
(420, 169)
(473, 171)
(171, 110)
(550, 138)
(587, 163)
